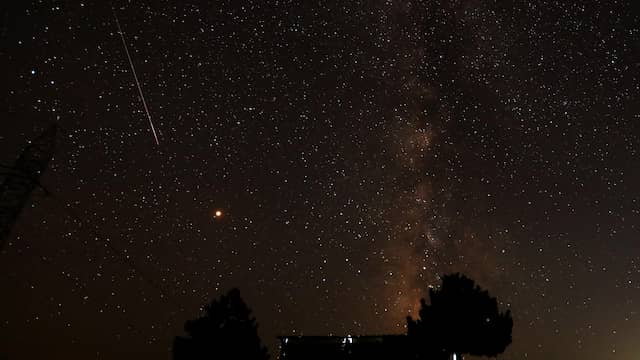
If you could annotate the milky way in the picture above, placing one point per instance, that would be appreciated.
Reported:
(356, 151)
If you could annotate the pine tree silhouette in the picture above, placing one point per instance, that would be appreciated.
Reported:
(226, 331)
(461, 319)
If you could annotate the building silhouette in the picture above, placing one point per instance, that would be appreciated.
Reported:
(344, 347)
(365, 347)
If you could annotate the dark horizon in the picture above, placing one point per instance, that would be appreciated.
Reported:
(331, 159)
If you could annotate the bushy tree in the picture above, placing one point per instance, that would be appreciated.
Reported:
(462, 319)
(226, 331)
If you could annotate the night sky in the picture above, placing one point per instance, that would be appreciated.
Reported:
(356, 151)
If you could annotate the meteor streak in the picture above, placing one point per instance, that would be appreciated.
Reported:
(135, 76)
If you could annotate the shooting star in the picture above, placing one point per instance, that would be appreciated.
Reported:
(135, 76)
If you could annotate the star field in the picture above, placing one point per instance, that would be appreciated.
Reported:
(331, 159)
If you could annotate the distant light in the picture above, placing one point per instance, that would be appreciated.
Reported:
(33, 71)
(455, 357)
(217, 214)
(347, 340)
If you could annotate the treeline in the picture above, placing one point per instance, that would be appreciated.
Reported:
(460, 318)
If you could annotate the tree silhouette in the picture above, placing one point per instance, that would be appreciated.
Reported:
(461, 319)
(226, 331)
